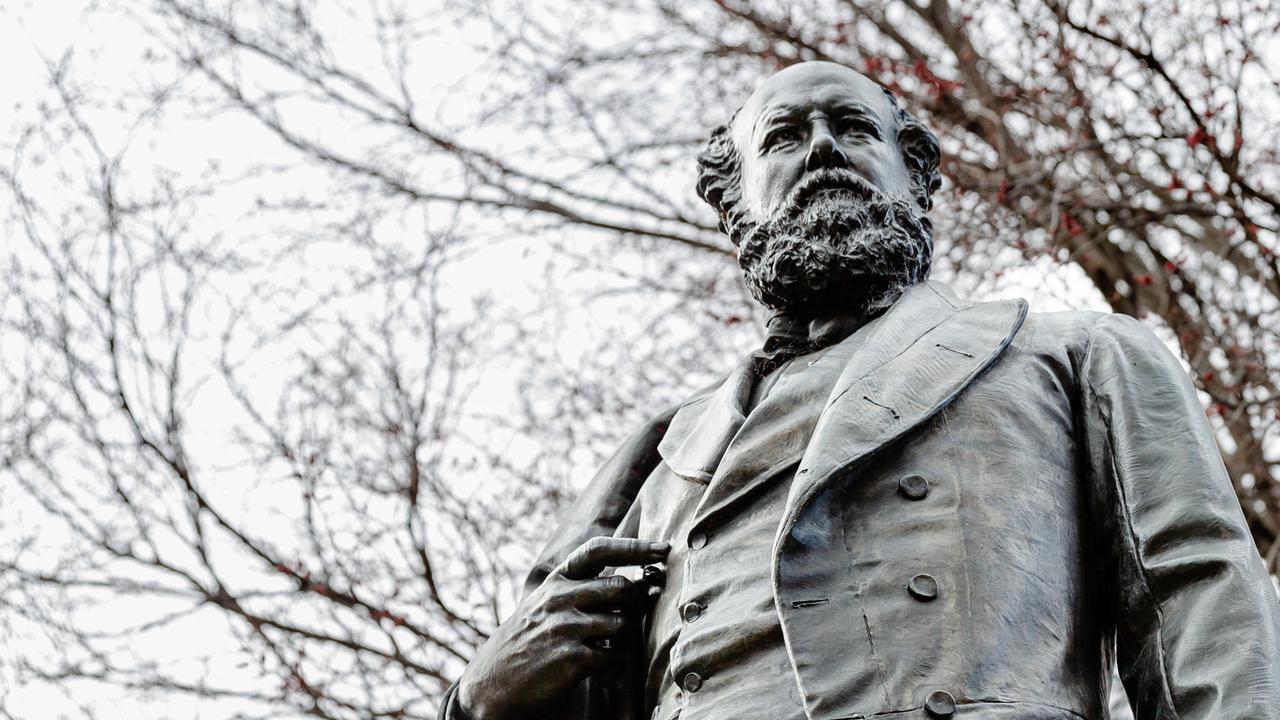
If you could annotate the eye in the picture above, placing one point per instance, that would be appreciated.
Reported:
(781, 137)
(857, 126)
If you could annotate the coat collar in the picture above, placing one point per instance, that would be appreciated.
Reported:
(892, 383)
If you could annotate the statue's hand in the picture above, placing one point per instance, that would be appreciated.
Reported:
(552, 640)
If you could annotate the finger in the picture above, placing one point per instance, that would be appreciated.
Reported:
(607, 593)
(598, 553)
(587, 658)
(594, 658)
(601, 626)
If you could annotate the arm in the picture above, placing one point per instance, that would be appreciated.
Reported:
(1198, 624)
(595, 514)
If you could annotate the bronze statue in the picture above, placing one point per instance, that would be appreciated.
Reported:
(905, 505)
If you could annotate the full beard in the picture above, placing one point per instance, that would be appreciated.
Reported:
(840, 245)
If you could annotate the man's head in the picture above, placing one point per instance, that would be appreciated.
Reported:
(823, 182)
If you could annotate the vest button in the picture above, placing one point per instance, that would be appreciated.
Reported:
(923, 587)
(940, 704)
(913, 487)
(697, 541)
(691, 611)
(693, 682)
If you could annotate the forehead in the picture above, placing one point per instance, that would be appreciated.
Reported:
(811, 86)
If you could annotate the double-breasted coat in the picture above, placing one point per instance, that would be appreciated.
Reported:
(1050, 478)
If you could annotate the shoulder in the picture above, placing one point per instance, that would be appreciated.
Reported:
(1059, 331)
(1058, 340)
(1123, 350)
(1103, 350)
(1053, 333)
(1083, 334)
(1097, 348)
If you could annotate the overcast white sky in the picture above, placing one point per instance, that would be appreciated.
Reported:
(109, 51)
(112, 46)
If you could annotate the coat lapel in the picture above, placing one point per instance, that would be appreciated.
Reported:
(917, 358)
(910, 363)
(703, 427)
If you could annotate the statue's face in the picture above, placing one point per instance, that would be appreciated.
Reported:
(829, 223)
(810, 117)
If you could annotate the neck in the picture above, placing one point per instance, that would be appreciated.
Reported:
(790, 333)
(854, 314)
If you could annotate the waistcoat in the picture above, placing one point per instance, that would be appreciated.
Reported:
(715, 649)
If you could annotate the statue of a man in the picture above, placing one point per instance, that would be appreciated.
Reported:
(905, 505)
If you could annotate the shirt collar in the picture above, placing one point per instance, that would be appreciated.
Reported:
(788, 335)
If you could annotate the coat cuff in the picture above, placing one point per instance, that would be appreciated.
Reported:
(450, 708)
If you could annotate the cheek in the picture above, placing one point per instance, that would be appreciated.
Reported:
(889, 172)
(767, 181)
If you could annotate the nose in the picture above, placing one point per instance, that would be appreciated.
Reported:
(823, 151)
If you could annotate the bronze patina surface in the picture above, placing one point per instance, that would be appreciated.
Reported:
(906, 505)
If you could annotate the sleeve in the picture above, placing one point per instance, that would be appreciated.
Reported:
(1198, 623)
(597, 511)
(449, 707)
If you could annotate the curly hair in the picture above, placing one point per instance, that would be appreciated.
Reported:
(720, 166)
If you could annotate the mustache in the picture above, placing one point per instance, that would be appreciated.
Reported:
(826, 179)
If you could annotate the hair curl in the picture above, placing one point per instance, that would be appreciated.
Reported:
(720, 166)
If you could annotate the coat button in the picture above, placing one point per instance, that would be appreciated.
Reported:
(940, 704)
(923, 587)
(653, 576)
(693, 682)
(697, 541)
(691, 611)
(913, 487)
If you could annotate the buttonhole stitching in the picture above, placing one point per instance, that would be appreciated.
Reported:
(959, 352)
(892, 412)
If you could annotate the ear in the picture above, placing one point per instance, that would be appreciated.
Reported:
(922, 155)
(719, 175)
